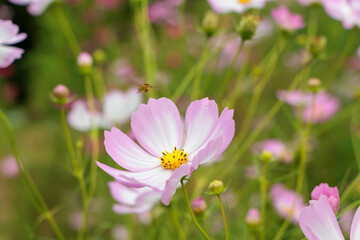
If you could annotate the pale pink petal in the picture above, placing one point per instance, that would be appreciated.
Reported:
(122, 193)
(123, 209)
(18, 38)
(8, 30)
(355, 226)
(21, 2)
(127, 153)
(200, 120)
(318, 222)
(8, 55)
(37, 7)
(157, 126)
(207, 154)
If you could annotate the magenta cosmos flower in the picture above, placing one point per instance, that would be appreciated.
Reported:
(35, 7)
(331, 193)
(318, 222)
(165, 155)
(239, 6)
(287, 20)
(9, 34)
(346, 11)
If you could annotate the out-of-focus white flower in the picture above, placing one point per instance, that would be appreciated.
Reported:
(239, 6)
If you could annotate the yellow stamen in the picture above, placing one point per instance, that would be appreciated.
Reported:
(244, 1)
(174, 159)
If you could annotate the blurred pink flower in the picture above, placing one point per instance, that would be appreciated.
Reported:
(286, 202)
(229, 44)
(277, 148)
(35, 7)
(308, 2)
(120, 232)
(331, 193)
(239, 6)
(252, 172)
(286, 20)
(164, 12)
(346, 11)
(124, 69)
(116, 109)
(318, 222)
(133, 200)
(199, 206)
(9, 34)
(158, 129)
(253, 216)
(318, 108)
(76, 220)
(9, 168)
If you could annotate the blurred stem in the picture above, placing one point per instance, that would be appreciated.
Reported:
(224, 217)
(99, 82)
(200, 71)
(227, 78)
(302, 167)
(354, 134)
(93, 136)
(175, 220)
(27, 181)
(263, 190)
(143, 27)
(349, 189)
(352, 205)
(79, 174)
(259, 87)
(66, 28)
(191, 211)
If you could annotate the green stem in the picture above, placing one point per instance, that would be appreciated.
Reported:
(227, 78)
(99, 82)
(263, 191)
(69, 34)
(224, 218)
(349, 189)
(200, 70)
(192, 213)
(175, 220)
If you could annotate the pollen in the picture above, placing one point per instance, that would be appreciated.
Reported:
(173, 160)
(244, 1)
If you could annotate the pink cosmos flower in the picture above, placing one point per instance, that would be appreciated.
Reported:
(346, 11)
(286, 20)
(116, 109)
(35, 7)
(308, 2)
(277, 148)
(286, 202)
(133, 200)
(9, 34)
(9, 168)
(331, 193)
(318, 222)
(164, 11)
(239, 6)
(253, 216)
(165, 158)
(317, 108)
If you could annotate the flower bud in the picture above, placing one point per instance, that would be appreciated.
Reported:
(314, 84)
(253, 217)
(210, 23)
(199, 206)
(84, 62)
(331, 193)
(99, 56)
(60, 94)
(317, 46)
(247, 26)
(266, 156)
(216, 187)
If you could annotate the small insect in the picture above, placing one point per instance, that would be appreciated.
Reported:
(144, 88)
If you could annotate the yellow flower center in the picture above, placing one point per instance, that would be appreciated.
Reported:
(174, 159)
(243, 1)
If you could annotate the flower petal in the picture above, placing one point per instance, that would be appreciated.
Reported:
(7, 30)
(122, 193)
(157, 126)
(8, 55)
(318, 222)
(206, 154)
(355, 226)
(127, 153)
(200, 120)
(36, 8)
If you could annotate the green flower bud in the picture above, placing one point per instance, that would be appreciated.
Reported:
(317, 46)
(266, 156)
(247, 26)
(99, 56)
(216, 187)
(210, 23)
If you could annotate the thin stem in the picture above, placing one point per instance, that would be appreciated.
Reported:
(349, 189)
(175, 220)
(224, 218)
(263, 190)
(66, 28)
(226, 81)
(200, 70)
(192, 213)
(99, 82)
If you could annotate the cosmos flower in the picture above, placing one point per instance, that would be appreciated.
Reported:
(9, 34)
(286, 202)
(317, 108)
(116, 109)
(277, 148)
(239, 6)
(164, 12)
(166, 158)
(35, 7)
(331, 193)
(346, 11)
(318, 222)
(287, 20)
